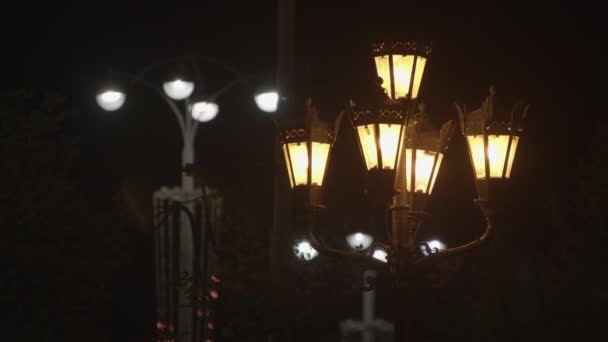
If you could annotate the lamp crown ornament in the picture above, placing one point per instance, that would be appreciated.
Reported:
(484, 118)
(410, 47)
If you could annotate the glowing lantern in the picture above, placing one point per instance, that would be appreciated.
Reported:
(380, 133)
(401, 65)
(492, 145)
(420, 158)
(307, 151)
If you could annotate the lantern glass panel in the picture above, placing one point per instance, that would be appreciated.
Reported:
(402, 68)
(420, 64)
(288, 163)
(299, 162)
(383, 70)
(320, 152)
(423, 171)
(512, 152)
(389, 143)
(497, 154)
(439, 160)
(367, 139)
(477, 150)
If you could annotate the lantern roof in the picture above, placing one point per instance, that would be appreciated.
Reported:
(310, 127)
(402, 48)
(484, 119)
(421, 133)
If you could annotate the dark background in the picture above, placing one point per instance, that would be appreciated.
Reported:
(80, 260)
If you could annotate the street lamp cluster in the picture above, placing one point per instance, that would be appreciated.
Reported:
(400, 146)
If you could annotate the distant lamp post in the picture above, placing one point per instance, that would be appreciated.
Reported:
(267, 101)
(400, 65)
(197, 108)
(304, 250)
(359, 241)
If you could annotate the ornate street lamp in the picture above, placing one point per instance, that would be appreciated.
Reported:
(401, 66)
(492, 144)
(420, 159)
(306, 149)
(380, 132)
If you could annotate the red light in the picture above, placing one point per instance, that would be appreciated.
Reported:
(214, 294)
(215, 278)
(210, 326)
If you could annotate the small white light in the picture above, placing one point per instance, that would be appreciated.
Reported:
(303, 250)
(110, 100)
(380, 254)
(359, 241)
(204, 111)
(178, 89)
(435, 246)
(268, 101)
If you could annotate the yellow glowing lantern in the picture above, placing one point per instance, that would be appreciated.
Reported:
(306, 149)
(401, 65)
(379, 132)
(420, 158)
(492, 144)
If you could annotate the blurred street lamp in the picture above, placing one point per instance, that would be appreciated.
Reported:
(178, 88)
(380, 254)
(110, 99)
(359, 241)
(432, 246)
(267, 101)
(304, 250)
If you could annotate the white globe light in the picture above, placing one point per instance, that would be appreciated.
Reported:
(268, 101)
(204, 111)
(110, 100)
(380, 254)
(435, 245)
(178, 89)
(359, 241)
(303, 250)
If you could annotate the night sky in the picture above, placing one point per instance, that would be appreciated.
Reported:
(544, 55)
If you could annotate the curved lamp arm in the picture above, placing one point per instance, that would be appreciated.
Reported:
(489, 227)
(241, 78)
(179, 115)
(192, 59)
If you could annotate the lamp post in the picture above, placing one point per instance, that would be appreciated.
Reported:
(403, 154)
(179, 250)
